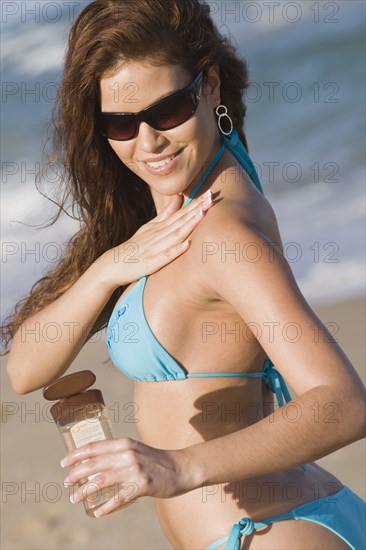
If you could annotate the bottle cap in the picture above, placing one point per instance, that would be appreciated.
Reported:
(70, 385)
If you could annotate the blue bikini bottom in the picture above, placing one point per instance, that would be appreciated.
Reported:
(343, 513)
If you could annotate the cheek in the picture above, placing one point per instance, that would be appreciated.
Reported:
(209, 119)
(198, 131)
(205, 127)
(124, 153)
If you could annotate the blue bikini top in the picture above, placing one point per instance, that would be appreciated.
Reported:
(133, 347)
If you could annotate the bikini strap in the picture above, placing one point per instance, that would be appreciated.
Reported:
(271, 377)
(246, 526)
(236, 147)
(205, 175)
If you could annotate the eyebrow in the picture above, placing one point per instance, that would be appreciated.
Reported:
(153, 102)
(168, 94)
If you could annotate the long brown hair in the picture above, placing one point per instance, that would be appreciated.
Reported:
(113, 202)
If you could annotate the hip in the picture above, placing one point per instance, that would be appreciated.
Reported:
(193, 519)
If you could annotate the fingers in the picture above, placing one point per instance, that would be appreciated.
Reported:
(191, 213)
(171, 213)
(120, 473)
(89, 468)
(103, 462)
(176, 232)
(171, 241)
(97, 448)
(172, 207)
(110, 478)
(126, 495)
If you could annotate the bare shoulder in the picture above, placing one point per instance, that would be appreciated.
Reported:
(239, 215)
(237, 198)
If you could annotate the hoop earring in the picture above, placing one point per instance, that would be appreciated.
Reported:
(221, 115)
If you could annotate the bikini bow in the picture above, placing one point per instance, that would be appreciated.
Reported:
(275, 382)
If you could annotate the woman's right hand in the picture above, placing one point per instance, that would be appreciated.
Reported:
(158, 242)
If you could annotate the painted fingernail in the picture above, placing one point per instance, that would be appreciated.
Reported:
(98, 513)
(207, 202)
(206, 195)
(63, 462)
(184, 244)
(73, 499)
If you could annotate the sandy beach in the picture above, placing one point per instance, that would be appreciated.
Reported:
(36, 513)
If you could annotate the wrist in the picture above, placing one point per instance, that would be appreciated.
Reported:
(120, 265)
(109, 273)
(192, 469)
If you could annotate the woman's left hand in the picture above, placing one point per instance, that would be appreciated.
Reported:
(131, 464)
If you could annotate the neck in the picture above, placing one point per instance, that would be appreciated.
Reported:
(162, 201)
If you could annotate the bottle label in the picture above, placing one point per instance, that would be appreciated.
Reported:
(85, 432)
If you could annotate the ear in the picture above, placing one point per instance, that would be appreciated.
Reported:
(212, 86)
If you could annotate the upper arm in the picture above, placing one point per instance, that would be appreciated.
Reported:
(249, 272)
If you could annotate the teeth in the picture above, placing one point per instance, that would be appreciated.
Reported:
(160, 163)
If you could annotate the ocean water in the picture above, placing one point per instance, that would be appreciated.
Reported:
(305, 128)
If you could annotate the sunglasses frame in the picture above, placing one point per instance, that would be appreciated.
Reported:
(194, 89)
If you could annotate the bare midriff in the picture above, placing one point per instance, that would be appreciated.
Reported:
(175, 415)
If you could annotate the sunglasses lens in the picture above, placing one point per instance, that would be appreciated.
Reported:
(117, 127)
(164, 115)
(172, 112)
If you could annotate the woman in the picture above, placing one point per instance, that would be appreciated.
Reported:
(151, 108)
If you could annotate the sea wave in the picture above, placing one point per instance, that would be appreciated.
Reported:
(320, 138)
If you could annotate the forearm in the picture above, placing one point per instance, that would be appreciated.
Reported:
(46, 343)
(313, 425)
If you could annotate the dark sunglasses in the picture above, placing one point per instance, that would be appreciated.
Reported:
(165, 114)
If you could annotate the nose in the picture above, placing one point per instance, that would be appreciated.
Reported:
(149, 139)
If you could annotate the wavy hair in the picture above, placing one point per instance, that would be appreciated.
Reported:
(113, 202)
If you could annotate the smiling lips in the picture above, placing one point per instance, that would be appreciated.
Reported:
(164, 166)
(161, 163)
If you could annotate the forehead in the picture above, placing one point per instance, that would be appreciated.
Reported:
(137, 85)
